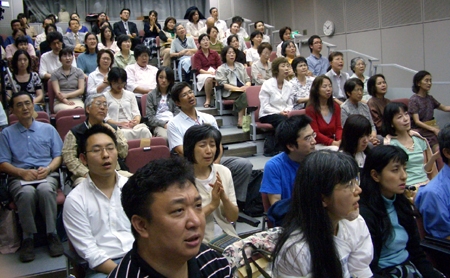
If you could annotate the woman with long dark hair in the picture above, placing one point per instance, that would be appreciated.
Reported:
(356, 137)
(87, 61)
(323, 234)
(167, 35)
(377, 88)
(107, 40)
(151, 31)
(389, 216)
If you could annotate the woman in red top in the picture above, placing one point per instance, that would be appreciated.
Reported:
(325, 113)
(206, 62)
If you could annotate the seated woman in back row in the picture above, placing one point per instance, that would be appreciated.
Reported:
(262, 69)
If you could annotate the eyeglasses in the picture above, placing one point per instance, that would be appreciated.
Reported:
(351, 185)
(309, 138)
(98, 150)
(317, 42)
(101, 103)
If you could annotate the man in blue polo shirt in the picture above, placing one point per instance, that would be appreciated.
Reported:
(317, 64)
(30, 155)
(296, 137)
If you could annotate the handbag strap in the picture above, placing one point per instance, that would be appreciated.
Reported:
(248, 261)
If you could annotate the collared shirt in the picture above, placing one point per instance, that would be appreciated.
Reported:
(226, 75)
(204, 63)
(433, 202)
(260, 73)
(266, 38)
(125, 25)
(274, 100)
(348, 108)
(68, 83)
(122, 62)
(178, 126)
(39, 38)
(28, 148)
(207, 264)
(50, 63)
(138, 76)
(317, 66)
(97, 225)
(222, 26)
(194, 29)
(338, 82)
(95, 79)
(252, 55)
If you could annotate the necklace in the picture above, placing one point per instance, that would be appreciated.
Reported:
(410, 148)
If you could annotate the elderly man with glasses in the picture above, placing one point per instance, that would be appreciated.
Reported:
(96, 109)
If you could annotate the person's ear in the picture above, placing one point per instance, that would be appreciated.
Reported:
(325, 201)
(83, 159)
(375, 176)
(446, 153)
(140, 225)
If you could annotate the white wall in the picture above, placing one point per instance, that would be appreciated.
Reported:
(16, 7)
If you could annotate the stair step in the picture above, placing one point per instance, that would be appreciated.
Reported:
(244, 149)
(234, 135)
(210, 111)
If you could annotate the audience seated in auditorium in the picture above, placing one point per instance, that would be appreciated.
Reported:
(184, 98)
(325, 114)
(167, 35)
(151, 31)
(262, 69)
(235, 80)
(353, 105)
(126, 27)
(167, 243)
(214, 182)
(206, 63)
(96, 109)
(421, 164)
(98, 79)
(44, 46)
(20, 42)
(288, 50)
(141, 77)
(68, 83)
(101, 18)
(377, 88)
(43, 36)
(215, 42)
(81, 28)
(233, 41)
(50, 61)
(358, 66)
(75, 39)
(107, 40)
(301, 83)
(324, 235)
(421, 108)
(317, 64)
(259, 25)
(123, 108)
(160, 107)
(390, 218)
(87, 61)
(29, 30)
(275, 96)
(356, 136)
(296, 139)
(93, 215)
(16, 25)
(194, 24)
(240, 30)
(53, 18)
(31, 152)
(182, 48)
(252, 54)
(234, 30)
(433, 200)
(125, 56)
(220, 24)
(24, 79)
(285, 35)
(337, 76)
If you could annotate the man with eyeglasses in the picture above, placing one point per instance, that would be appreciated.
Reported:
(96, 109)
(94, 219)
(297, 139)
(317, 64)
(31, 154)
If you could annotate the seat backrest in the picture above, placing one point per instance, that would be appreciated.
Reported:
(69, 112)
(252, 93)
(144, 105)
(402, 100)
(139, 157)
(51, 96)
(273, 56)
(66, 123)
(42, 116)
(249, 73)
(158, 41)
(296, 112)
(154, 141)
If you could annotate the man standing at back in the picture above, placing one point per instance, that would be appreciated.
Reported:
(317, 64)
(125, 27)
(184, 98)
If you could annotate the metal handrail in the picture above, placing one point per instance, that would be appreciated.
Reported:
(369, 58)
(395, 66)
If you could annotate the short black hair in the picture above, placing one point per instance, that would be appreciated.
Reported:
(86, 36)
(200, 38)
(208, 31)
(155, 177)
(95, 129)
(287, 131)
(103, 51)
(116, 74)
(276, 64)
(14, 21)
(296, 61)
(212, 8)
(254, 34)
(167, 21)
(53, 36)
(66, 51)
(125, 9)
(372, 82)
(15, 60)
(390, 110)
(417, 78)
(177, 88)
(141, 49)
(122, 38)
(334, 54)
(19, 40)
(444, 142)
(264, 45)
(259, 21)
(48, 26)
(355, 127)
(311, 41)
(350, 85)
(283, 30)
(237, 19)
(73, 19)
(191, 15)
(284, 45)
(195, 134)
(223, 54)
(230, 38)
(21, 15)
(21, 93)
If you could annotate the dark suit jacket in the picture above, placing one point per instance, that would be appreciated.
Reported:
(119, 29)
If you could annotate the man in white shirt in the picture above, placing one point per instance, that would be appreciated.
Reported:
(50, 60)
(239, 20)
(220, 24)
(259, 25)
(42, 37)
(93, 215)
